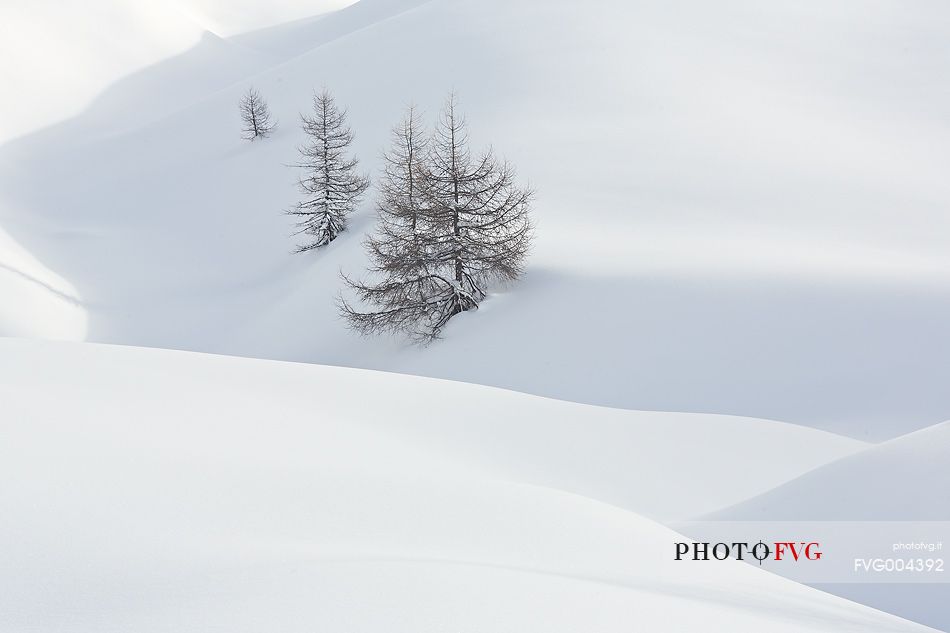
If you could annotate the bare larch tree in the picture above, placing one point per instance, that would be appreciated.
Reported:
(256, 116)
(472, 228)
(397, 251)
(331, 185)
(480, 217)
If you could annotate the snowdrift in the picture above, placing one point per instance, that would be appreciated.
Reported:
(46, 304)
(153, 491)
(664, 465)
(905, 479)
(60, 56)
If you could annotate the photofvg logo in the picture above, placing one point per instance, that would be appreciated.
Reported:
(834, 551)
(741, 550)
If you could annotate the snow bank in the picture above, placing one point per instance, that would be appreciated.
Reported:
(40, 303)
(61, 55)
(904, 479)
(66, 53)
(154, 491)
(664, 465)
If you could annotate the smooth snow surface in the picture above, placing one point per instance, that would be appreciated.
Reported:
(149, 490)
(741, 205)
(58, 56)
(46, 305)
(904, 479)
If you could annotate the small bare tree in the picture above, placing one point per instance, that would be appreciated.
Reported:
(331, 185)
(471, 227)
(256, 116)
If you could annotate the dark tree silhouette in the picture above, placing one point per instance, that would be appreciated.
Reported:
(397, 251)
(331, 185)
(256, 116)
(480, 217)
(471, 228)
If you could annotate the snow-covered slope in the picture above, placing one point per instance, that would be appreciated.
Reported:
(39, 302)
(151, 491)
(904, 479)
(664, 465)
(58, 56)
(759, 228)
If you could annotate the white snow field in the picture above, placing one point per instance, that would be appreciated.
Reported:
(904, 479)
(741, 206)
(58, 56)
(741, 210)
(149, 490)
